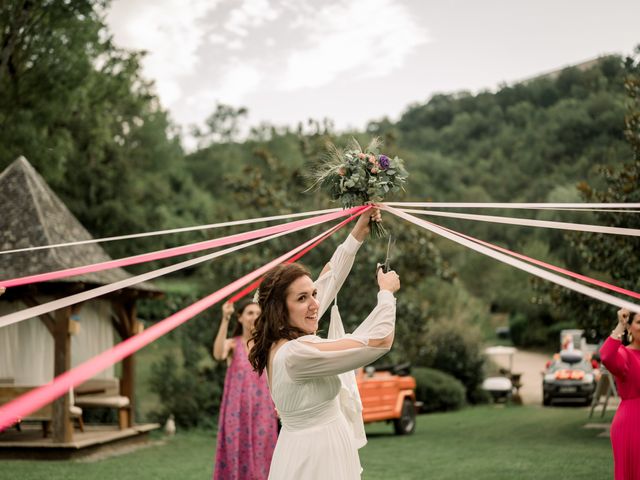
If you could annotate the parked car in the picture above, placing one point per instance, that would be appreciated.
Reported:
(388, 394)
(568, 378)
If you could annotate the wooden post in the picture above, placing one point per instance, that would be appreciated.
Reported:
(127, 382)
(62, 427)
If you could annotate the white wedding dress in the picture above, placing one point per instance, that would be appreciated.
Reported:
(315, 391)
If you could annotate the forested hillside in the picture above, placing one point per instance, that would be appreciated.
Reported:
(532, 142)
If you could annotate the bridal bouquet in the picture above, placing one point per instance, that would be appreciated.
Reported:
(357, 176)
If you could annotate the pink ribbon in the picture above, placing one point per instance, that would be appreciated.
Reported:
(514, 262)
(31, 401)
(549, 266)
(297, 256)
(182, 250)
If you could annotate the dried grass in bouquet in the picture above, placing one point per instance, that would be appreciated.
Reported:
(356, 176)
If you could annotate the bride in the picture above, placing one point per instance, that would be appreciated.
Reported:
(321, 417)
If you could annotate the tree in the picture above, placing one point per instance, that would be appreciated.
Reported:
(223, 125)
(79, 109)
(611, 257)
(46, 56)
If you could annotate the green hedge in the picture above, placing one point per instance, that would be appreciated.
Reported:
(437, 390)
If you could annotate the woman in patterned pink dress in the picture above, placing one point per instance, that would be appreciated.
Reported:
(247, 425)
(624, 363)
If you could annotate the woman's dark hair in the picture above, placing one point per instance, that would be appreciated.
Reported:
(273, 322)
(625, 338)
(238, 311)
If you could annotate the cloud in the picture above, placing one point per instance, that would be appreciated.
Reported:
(366, 38)
(251, 14)
(225, 51)
(238, 80)
(169, 31)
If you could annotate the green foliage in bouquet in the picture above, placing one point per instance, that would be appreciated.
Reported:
(356, 176)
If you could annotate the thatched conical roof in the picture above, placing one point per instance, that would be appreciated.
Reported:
(31, 214)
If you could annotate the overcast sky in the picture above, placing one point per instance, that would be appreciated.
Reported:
(356, 60)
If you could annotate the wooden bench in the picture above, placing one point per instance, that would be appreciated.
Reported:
(104, 393)
(44, 414)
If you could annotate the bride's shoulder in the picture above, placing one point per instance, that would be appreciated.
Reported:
(276, 347)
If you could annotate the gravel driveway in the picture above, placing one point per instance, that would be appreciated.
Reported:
(530, 365)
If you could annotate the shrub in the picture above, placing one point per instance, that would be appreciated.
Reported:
(453, 346)
(438, 391)
(193, 397)
(188, 385)
(528, 332)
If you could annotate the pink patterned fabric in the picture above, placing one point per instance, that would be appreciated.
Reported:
(247, 426)
(624, 364)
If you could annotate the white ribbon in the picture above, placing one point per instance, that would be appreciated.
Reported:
(174, 230)
(581, 227)
(112, 287)
(527, 206)
(552, 277)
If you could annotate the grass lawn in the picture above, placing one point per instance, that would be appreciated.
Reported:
(489, 443)
(480, 443)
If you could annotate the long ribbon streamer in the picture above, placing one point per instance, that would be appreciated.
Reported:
(246, 290)
(173, 230)
(549, 266)
(527, 206)
(31, 401)
(112, 287)
(552, 277)
(533, 206)
(172, 252)
(580, 227)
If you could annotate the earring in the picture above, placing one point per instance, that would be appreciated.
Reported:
(629, 337)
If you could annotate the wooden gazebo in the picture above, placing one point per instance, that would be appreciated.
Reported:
(32, 215)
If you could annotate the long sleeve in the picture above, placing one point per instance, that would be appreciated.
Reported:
(614, 357)
(349, 396)
(305, 358)
(331, 281)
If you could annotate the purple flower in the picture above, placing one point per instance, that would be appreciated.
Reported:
(383, 160)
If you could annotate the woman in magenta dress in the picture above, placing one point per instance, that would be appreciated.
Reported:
(624, 363)
(247, 425)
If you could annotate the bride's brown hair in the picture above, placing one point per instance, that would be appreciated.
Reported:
(273, 323)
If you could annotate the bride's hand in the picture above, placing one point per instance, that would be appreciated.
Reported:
(362, 228)
(388, 281)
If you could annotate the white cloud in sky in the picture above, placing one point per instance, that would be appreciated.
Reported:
(238, 80)
(363, 37)
(217, 39)
(251, 14)
(169, 31)
(225, 51)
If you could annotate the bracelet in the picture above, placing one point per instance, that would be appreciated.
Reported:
(617, 336)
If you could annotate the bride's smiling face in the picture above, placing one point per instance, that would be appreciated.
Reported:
(302, 305)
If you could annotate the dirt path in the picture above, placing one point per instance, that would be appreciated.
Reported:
(530, 365)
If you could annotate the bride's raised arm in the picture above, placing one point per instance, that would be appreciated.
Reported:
(335, 272)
